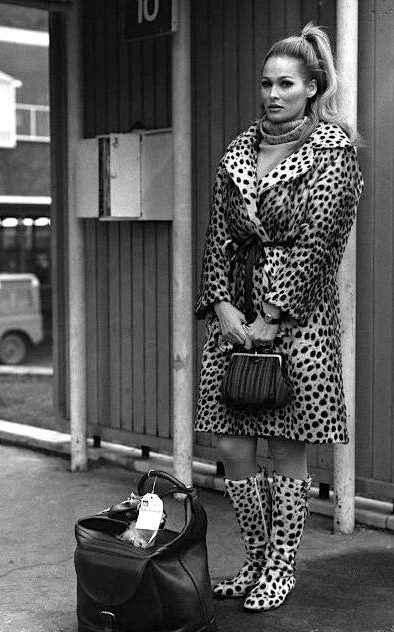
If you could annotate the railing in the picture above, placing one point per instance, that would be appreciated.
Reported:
(32, 122)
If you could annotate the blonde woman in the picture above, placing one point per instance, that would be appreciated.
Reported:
(290, 185)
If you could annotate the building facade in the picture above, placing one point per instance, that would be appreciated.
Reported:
(25, 243)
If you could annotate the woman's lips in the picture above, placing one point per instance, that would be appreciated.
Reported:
(275, 107)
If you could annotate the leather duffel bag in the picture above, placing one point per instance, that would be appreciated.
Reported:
(164, 588)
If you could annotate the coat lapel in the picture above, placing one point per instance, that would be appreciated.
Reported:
(295, 165)
(240, 161)
(325, 136)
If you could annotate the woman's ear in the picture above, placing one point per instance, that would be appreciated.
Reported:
(311, 88)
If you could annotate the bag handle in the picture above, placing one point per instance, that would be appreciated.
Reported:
(179, 487)
(192, 499)
(194, 519)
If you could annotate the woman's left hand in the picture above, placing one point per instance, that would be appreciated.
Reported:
(259, 331)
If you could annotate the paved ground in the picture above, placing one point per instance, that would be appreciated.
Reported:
(344, 583)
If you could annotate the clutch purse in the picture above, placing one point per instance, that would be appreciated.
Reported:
(257, 380)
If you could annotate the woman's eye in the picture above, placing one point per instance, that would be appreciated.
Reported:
(265, 84)
(286, 84)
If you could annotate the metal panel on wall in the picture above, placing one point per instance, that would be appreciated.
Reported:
(375, 422)
(128, 264)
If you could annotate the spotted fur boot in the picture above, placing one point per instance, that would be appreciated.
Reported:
(251, 500)
(289, 511)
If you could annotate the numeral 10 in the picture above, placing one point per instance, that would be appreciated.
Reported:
(145, 13)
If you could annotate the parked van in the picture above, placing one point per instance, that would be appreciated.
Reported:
(20, 316)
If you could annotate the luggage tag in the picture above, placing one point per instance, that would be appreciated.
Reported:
(150, 513)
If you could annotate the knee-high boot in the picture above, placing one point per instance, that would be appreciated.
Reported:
(251, 500)
(289, 512)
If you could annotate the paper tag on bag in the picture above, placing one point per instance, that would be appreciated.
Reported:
(150, 513)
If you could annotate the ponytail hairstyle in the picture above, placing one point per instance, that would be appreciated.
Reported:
(313, 49)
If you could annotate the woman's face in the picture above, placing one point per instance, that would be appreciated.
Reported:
(284, 90)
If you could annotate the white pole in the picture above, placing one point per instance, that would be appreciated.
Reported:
(76, 264)
(182, 351)
(344, 455)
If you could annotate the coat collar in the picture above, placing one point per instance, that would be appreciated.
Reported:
(241, 157)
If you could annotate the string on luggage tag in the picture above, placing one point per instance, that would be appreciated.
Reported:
(154, 482)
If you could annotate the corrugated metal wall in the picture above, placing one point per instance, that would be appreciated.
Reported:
(127, 84)
(375, 424)
(128, 264)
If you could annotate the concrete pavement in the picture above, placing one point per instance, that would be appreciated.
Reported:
(344, 583)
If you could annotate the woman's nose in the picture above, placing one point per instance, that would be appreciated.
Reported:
(274, 92)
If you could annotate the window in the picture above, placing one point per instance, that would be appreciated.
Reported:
(32, 122)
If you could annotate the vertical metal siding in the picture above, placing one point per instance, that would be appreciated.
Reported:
(375, 427)
(366, 246)
(128, 298)
(383, 205)
(128, 263)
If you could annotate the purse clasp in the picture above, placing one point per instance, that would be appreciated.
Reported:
(109, 621)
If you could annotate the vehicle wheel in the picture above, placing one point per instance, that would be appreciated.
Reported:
(12, 349)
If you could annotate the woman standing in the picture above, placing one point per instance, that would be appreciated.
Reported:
(292, 182)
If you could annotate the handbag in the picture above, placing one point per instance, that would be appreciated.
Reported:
(164, 588)
(257, 380)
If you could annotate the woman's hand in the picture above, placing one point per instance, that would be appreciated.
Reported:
(259, 331)
(231, 322)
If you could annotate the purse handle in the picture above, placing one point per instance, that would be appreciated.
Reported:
(179, 487)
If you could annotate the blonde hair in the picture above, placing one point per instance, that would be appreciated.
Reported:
(313, 49)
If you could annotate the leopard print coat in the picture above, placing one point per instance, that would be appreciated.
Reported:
(309, 200)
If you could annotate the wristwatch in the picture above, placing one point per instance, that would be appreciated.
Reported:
(269, 319)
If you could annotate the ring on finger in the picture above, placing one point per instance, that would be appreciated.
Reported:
(224, 344)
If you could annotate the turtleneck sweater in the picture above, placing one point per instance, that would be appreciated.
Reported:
(278, 141)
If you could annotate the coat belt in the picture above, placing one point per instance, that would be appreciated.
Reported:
(249, 252)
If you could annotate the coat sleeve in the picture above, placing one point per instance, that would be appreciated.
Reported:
(315, 257)
(214, 285)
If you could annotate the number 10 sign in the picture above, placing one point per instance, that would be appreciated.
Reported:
(149, 18)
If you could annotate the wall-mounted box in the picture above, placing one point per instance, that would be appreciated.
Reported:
(125, 176)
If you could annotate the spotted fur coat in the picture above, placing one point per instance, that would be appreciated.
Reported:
(309, 200)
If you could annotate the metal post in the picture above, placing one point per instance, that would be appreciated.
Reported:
(182, 344)
(76, 264)
(344, 455)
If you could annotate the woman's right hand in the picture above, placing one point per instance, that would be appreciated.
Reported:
(231, 322)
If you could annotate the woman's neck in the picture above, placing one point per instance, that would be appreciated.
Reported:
(275, 133)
